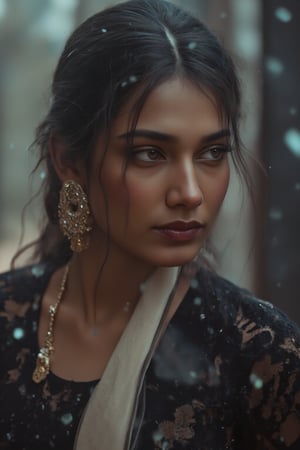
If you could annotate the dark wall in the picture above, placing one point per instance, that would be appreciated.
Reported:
(281, 150)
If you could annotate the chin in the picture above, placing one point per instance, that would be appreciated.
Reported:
(177, 260)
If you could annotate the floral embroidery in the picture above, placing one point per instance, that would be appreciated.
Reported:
(289, 346)
(181, 430)
(13, 309)
(249, 329)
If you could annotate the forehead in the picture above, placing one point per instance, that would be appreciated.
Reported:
(175, 104)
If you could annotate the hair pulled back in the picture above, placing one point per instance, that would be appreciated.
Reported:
(138, 43)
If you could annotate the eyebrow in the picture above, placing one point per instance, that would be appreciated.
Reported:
(159, 136)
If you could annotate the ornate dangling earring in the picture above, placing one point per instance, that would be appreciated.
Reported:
(74, 215)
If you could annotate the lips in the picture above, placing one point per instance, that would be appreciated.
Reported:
(180, 231)
(180, 225)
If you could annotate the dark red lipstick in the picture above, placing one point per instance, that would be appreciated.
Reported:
(180, 230)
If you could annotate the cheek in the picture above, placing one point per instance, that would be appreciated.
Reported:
(141, 191)
(107, 197)
(117, 199)
(127, 200)
(218, 189)
(138, 196)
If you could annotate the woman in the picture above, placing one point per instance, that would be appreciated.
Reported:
(119, 338)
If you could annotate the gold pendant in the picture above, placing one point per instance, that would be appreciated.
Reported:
(42, 366)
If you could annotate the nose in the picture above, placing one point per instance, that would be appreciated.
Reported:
(184, 189)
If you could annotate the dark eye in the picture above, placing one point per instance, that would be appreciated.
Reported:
(216, 153)
(147, 155)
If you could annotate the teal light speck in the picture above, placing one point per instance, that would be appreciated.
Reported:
(275, 214)
(292, 141)
(157, 436)
(18, 333)
(197, 301)
(256, 381)
(283, 14)
(38, 271)
(67, 418)
(192, 45)
(194, 283)
(274, 65)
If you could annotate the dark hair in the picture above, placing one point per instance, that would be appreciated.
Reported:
(138, 43)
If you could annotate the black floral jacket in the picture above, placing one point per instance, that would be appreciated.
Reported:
(226, 374)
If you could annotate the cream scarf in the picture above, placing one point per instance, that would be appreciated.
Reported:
(107, 417)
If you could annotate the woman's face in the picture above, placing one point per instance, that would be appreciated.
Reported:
(160, 211)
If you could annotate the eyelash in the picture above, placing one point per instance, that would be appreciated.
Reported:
(222, 149)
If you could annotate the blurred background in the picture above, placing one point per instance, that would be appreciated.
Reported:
(257, 245)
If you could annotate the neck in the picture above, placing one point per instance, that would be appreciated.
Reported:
(102, 286)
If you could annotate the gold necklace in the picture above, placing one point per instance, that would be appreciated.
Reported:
(43, 360)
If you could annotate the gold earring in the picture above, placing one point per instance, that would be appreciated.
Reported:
(74, 215)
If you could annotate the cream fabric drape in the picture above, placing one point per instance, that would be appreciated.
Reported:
(104, 425)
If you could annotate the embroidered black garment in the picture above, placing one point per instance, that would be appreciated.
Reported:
(32, 416)
(226, 375)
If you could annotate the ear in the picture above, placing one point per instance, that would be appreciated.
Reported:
(65, 168)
